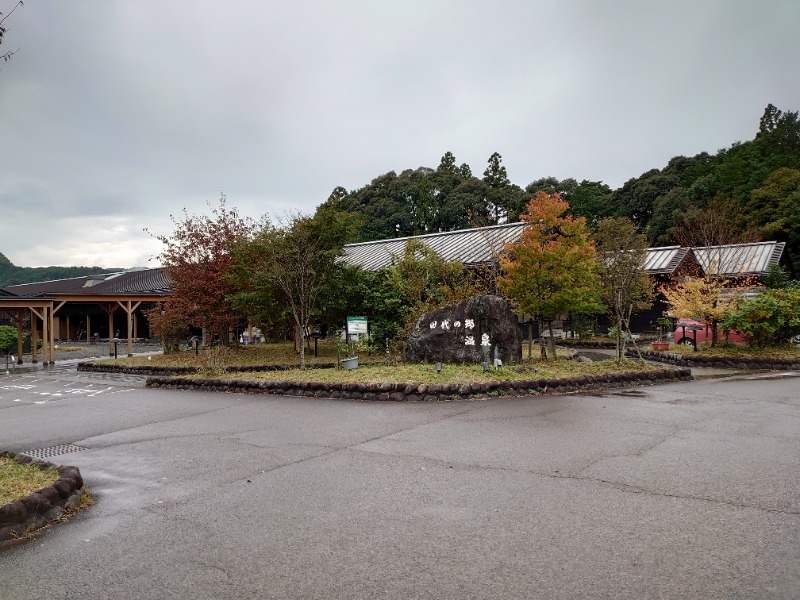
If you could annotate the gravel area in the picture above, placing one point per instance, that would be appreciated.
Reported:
(78, 351)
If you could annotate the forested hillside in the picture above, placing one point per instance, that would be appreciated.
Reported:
(750, 191)
(13, 275)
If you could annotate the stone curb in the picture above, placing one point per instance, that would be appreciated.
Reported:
(165, 371)
(43, 506)
(586, 344)
(716, 362)
(94, 367)
(402, 392)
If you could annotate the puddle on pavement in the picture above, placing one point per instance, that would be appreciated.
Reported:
(635, 393)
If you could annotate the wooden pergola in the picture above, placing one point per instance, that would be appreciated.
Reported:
(124, 292)
(42, 308)
(110, 303)
(47, 307)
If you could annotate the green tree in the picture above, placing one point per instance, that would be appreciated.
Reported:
(588, 199)
(368, 293)
(448, 164)
(423, 280)
(8, 338)
(772, 318)
(299, 259)
(777, 278)
(775, 209)
(552, 270)
(625, 285)
(781, 129)
(504, 200)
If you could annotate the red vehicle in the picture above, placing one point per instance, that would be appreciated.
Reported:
(690, 332)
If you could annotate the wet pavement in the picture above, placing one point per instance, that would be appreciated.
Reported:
(685, 490)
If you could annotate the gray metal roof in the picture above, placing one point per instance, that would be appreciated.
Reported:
(469, 246)
(664, 260)
(137, 281)
(481, 245)
(141, 281)
(739, 259)
(40, 288)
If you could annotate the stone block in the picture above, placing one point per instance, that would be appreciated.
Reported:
(469, 332)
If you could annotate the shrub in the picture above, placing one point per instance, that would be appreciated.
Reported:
(8, 338)
(770, 319)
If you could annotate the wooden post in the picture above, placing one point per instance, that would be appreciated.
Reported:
(111, 335)
(530, 338)
(88, 328)
(69, 333)
(20, 314)
(45, 335)
(52, 338)
(129, 307)
(130, 310)
(34, 326)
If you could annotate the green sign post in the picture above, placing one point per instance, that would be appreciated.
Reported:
(356, 325)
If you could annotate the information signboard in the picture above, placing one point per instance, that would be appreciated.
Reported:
(356, 325)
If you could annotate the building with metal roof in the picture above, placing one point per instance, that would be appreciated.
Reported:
(79, 301)
(468, 246)
(739, 260)
(84, 307)
(665, 260)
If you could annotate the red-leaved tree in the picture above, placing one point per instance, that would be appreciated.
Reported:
(198, 260)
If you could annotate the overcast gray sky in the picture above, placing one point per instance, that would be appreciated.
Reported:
(115, 114)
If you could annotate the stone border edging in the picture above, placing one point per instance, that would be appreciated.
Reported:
(572, 343)
(402, 392)
(154, 370)
(717, 362)
(42, 506)
(94, 367)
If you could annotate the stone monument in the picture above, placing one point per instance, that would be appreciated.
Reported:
(479, 330)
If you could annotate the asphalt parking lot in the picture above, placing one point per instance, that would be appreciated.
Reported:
(687, 490)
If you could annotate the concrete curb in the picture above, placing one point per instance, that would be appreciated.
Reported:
(403, 392)
(42, 506)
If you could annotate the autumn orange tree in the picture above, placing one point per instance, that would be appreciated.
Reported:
(198, 260)
(552, 269)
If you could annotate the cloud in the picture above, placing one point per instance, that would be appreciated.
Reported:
(117, 114)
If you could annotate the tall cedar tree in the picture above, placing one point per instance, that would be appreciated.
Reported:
(198, 259)
(299, 260)
(625, 285)
(552, 270)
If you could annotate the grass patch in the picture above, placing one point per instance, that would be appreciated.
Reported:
(451, 373)
(736, 351)
(237, 356)
(389, 369)
(18, 481)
